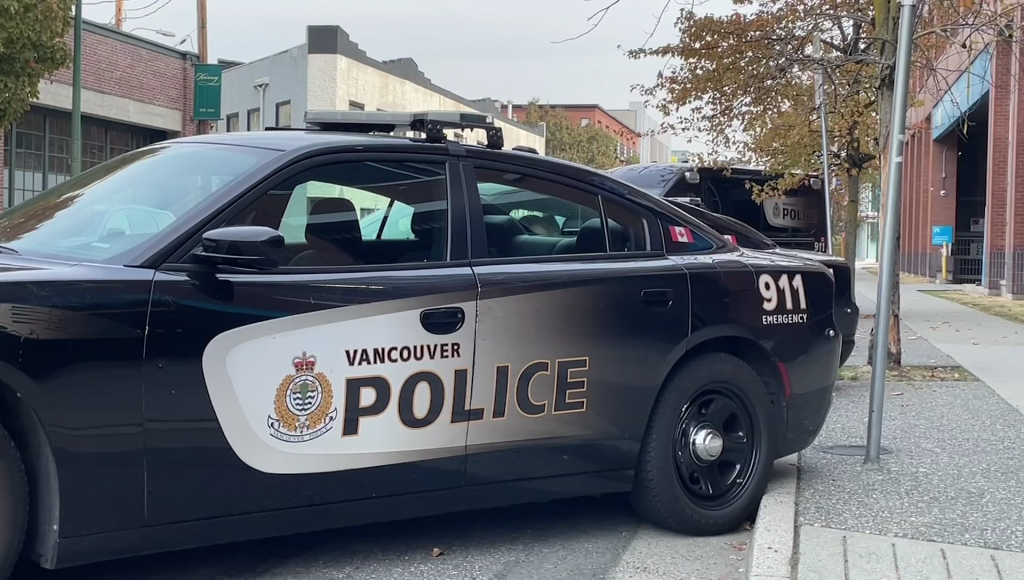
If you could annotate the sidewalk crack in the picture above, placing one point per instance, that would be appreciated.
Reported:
(846, 559)
(896, 561)
(999, 573)
(945, 560)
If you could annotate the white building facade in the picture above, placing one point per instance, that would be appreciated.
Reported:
(330, 71)
(654, 146)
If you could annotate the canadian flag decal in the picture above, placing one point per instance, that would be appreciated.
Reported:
(731, 238)
(680, 234)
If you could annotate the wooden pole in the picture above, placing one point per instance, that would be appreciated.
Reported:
(203, 126)
(119, 14)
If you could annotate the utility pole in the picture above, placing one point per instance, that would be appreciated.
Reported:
(819, 94)
(897, 135)
(203, 126)
(76, 96)
(119, 14)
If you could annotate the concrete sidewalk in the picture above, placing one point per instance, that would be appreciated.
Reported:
(986, 345)
(946, 502)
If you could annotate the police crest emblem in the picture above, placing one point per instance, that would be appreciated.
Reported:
(776, 211)
(303, 404)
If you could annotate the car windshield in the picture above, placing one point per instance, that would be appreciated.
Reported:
(118, 205)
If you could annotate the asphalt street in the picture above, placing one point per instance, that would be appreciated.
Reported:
(580, 539)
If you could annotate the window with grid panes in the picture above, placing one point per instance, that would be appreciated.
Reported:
(58, 144)
(29, 144)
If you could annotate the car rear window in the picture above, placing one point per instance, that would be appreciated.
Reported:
(103, 213)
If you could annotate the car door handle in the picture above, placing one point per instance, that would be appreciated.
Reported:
(658, 297)
(443, 320)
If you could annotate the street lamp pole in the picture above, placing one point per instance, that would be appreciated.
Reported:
(886, 267)
(76, 96)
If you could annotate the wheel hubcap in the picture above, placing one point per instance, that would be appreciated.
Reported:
(716, 446)
(706, 444)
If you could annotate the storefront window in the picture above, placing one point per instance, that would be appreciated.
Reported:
(42, 150)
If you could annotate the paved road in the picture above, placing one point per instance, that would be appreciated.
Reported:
(583, 539)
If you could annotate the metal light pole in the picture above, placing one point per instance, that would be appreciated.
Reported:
(819, 95)
(76, 96)
(888, 258)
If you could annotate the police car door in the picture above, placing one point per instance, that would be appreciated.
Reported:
(573, 340)
(338, 375)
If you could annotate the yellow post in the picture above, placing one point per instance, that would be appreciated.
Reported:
(945, 252)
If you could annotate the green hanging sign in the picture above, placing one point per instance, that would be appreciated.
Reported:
(206, 95)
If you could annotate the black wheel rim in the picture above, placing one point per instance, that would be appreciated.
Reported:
(717, 418)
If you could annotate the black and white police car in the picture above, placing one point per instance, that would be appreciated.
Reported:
(847, 313)
(236, 336)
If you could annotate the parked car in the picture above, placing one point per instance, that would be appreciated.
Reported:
(847, 312)
(795, 220)
(278, 358)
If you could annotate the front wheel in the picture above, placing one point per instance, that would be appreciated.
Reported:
(708, 450)
(13, 504)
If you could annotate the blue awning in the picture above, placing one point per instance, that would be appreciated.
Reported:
(969, 88)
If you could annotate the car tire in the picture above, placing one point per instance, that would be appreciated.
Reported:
(13, 504)
(679, 485)
(848, 346)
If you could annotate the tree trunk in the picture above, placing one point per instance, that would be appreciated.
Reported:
(852, 222)
(895, 350)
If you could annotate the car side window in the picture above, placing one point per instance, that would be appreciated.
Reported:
(682, 239)
(358, 213)
(525, 216)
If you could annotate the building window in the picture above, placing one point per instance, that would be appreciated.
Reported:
(233, 123)
(585, 122)
(254, 120)
(39, 146)
(459, 137)
(356, 106)
(284, 114)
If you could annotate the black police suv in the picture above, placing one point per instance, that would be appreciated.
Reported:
(847, 313)
(796, 220)
(236, 336)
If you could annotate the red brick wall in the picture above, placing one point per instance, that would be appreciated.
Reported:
(998, 164)
(122, 69)
(598, 118)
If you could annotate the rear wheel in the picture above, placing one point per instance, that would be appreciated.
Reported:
(13, 503)
(709, 447)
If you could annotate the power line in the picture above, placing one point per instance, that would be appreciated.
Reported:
(141, 7)
(152, 12)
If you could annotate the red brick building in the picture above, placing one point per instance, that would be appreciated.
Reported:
(629, 140)
(964, 167)
(134, 92)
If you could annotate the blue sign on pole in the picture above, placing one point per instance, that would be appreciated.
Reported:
(942, 234)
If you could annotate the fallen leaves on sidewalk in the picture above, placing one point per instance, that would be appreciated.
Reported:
(436, 552)
(741, 546)
(932, 374)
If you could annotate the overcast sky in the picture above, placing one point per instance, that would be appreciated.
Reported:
(475, 48)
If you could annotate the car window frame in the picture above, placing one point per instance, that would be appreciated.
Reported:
(457, 235)
(478, 240)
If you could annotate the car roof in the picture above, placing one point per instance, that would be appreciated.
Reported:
(286, 140)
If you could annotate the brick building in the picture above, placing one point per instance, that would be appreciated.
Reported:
(629, 140)
(964, 166)
(134, 92)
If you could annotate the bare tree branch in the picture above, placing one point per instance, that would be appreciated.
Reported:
(600, 14)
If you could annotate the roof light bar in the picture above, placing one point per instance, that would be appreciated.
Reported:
(430, 123)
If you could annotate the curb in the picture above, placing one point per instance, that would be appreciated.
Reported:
(773, 538)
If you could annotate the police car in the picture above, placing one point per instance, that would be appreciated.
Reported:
(236, 336)
(847, 313)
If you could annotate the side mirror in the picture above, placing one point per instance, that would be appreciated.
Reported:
(247, 247)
